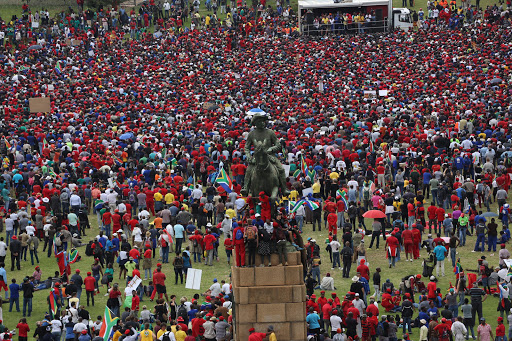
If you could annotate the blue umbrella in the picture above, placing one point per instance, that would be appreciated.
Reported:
(34, 47)
(126, 136)
(255, 111)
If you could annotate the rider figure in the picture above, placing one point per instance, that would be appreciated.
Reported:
(272, 146)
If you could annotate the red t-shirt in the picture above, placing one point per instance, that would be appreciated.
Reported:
(89, 282)
(431, 287)
(135, 302)
(24, 329)
(159, 278)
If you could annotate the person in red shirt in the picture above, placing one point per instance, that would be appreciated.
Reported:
(107, 221)
(209, 241)
(440, 217)
(238, 239)
(416, 238)
(380, 175)
(408, 241)
(146, 265)
(500, 330)
(134, 253)
(363, 270)
(431, 288)
(135, 303)
(90, 285)
(432, 218)
(228, 246)
(159, 281)
(116, 221)
(443, 329)
(253, 336)
(23, 329)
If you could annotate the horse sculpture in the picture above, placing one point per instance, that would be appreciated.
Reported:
(265, 177)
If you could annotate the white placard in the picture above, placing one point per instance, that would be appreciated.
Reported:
(383, 93)
(194, 279)
(35, 24)
(51, 87)
(134, 283)
(286, 169)
(508, 262)
(307, 191)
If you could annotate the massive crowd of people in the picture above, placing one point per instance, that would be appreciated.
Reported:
(416, 127)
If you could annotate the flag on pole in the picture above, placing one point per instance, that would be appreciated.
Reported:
(303, 165)
(58, 68)
(295, 205)
(7, 144)
(109, 321)
(45, 143)
(224, 181)
(174, 162)
(296, 173)
(53, 303)
(371, 147)
(23, 68)
(372, 187)
(313, 205)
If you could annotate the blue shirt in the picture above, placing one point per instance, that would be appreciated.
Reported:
(3, 275)
(15, 290)
(313, 321)
(178, 231)
(439, 250)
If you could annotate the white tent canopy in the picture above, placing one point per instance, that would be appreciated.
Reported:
(312, 4)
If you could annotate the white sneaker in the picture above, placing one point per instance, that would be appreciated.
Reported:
(332, 268)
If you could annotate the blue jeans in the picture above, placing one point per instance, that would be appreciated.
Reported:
(300, 221)
(435, 200)
(500, 338)
(462, 235)
(106, 229)
(78, 292)
(165, 254)
(410, 220)
(12, 301)
(315, 272)
(407, 322)
(32, 254)
(147, 273)
(336, 259)
(491, 243)
(480, 240)
(453, 256)
(454, 309)
(27, 302)
(8, 236)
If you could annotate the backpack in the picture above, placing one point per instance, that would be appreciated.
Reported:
(163, 242)
(88, 249)
(182, 312)
(239, 234)
(249, 233)
(379, 330)
(195, 243)
(166, 337)
(366, 193)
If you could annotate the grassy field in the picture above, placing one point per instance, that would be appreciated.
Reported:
(221, 271)
(7, 10)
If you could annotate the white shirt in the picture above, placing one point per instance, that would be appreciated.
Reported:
(31, 230)
(335, 322)
(3, 249)
(197, 193)
(74, 316)
(216, 290)
(137, 234)
(171, 336)
(225, 288)
(335, 246)
(75, 200)
(56, 326)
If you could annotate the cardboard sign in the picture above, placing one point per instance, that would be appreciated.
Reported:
(307, 191)
(35, 24)
(194, 279)
(383, 93)
(134, 283)
(39, 104)
(51, 87)
(75, 42)
(370, 93)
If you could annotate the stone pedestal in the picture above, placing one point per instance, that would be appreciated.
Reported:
(273, 295)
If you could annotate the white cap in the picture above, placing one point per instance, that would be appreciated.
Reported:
(257, 215)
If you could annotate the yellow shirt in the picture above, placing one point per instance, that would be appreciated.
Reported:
(334, 175)
(158, 196)
(294, 195)
(160, 333)
(316, 187)
(231, 213)
(207, 20)
(169, 198)
(116, 335)
(272, 337)
(180, 335)
(146, 335)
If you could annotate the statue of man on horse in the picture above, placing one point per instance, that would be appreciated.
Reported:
(264, 171)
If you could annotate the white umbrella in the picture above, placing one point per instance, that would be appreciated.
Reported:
(255, 111)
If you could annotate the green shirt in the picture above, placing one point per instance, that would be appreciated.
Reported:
(463, 221)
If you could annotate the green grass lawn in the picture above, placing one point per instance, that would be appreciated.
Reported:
(221, 271)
